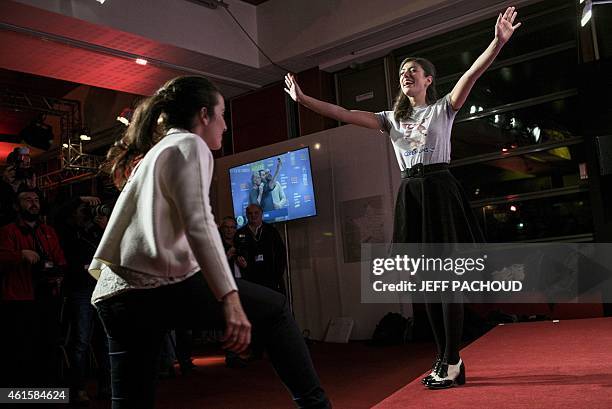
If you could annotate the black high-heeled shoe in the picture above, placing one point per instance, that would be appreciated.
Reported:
(448, 376)
(434, 369)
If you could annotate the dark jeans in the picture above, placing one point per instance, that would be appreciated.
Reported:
(83, 316)
(137, 320)
(183, 347)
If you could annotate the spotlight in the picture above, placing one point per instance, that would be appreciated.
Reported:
(587, 12)
(141, 61)
(38, 134)
(125, 116)
(84, 135)
(513, 208)
(317, 146)
(536, 131)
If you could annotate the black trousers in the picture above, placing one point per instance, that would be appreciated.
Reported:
(433, 208)
(137, 320)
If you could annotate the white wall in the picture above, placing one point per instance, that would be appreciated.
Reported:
(351, 163)
(178, 22)
(292, 27)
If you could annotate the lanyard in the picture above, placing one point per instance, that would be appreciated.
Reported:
(258, 232)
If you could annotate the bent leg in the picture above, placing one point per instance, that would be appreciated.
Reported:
(272, 321)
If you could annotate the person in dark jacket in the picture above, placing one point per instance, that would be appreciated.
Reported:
(264, 251)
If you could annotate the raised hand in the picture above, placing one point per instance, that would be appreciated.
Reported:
(292, 88)
(504, 27)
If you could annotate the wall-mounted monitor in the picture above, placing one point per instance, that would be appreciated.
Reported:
(280, 184)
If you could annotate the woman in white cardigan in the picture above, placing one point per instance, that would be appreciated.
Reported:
(161, 264)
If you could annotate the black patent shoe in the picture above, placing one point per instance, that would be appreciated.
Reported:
(434, 369)
(448, 376)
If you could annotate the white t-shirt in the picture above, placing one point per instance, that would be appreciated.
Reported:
(422, 138)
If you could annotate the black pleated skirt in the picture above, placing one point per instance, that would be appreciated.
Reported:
(434, 209)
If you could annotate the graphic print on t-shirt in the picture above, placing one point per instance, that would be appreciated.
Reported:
(415, 132)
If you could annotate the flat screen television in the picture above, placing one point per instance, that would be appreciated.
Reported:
(281, 185)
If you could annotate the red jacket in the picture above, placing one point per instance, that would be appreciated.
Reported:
(15, 273)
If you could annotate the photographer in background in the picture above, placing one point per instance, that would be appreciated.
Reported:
(80, 223)
(17, 173)
(237, 261)
(31, 271)
(263, 249)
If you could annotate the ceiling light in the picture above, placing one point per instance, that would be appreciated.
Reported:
(536, 133)
(141, 61)
(587, 12)
(125, 116)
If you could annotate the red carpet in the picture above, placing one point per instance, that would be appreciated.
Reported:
(354, 375)
(527, 365)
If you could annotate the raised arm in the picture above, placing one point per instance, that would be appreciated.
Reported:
(360, 118)
(278, 166)
(504, 29)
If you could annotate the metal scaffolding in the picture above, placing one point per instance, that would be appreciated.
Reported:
(74, 163)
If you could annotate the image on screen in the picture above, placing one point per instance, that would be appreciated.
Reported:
(281, 185)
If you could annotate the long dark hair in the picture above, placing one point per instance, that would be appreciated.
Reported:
(402, 108)
(177, 103)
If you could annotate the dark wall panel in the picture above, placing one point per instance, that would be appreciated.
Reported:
(259, 118)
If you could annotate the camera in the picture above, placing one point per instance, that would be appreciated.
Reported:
(19, 159)
(48, 268)
(240, 243)
(101, 210)
(23, 173)
(47, 279)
